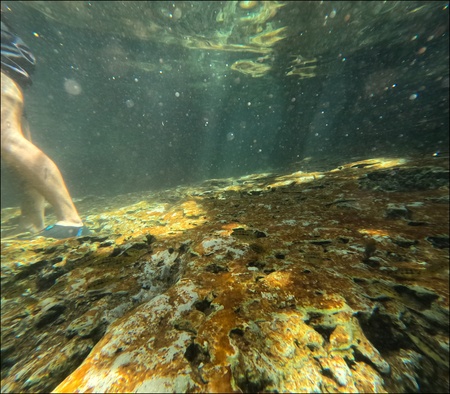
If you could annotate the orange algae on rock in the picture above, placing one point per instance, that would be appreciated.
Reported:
(235, 290)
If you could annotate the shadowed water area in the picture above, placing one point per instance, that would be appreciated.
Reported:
(267, 187)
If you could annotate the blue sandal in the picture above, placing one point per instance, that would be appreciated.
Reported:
(60, 232)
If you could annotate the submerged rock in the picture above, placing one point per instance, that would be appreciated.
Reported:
(299, 295)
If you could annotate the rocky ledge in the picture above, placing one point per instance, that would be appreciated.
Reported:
(333, 281)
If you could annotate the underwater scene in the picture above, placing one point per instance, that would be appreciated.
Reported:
(225, 196)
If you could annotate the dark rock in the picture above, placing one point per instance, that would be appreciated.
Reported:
(440, 241)
(216, 268)
(49, 313)
(396, 211)
(404, 243)
(321, 242)
(418, 223)
(258, 264)
(405, 179)
(47, 277)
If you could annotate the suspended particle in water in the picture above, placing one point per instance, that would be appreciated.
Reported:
(177, 94)
(413, 96)
(129, 103)
(230, 136)
(72, 87)
(177, 14)
(421, 50)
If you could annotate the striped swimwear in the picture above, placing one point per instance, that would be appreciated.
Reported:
(17, 60)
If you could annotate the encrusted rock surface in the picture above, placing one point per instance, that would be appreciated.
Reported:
(304, 282)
